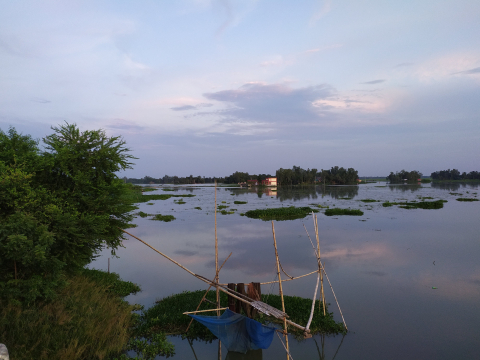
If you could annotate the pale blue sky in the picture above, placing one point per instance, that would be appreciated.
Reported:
(211, 87)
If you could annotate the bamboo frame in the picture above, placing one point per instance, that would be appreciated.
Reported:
(216, 252)
(201, 311)
(315, 220)
(281, 290)
(206, 292)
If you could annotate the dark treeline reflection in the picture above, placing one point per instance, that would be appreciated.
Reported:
(405, 188)
(455, 186)
(295, 193)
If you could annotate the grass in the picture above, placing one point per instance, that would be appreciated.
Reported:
(166, 218)
(417, 204)
(87, 320)
(283, 213)
(167, 315)
(466, 199)
(338, 211)
(239, 202)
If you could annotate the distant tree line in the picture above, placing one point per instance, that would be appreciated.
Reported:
(335, 176)
(174, 180)
(402, 176)
(238, 177)
(454, 174)
(296, 176)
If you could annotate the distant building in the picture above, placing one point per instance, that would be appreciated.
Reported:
(272, 181)
(252, 182)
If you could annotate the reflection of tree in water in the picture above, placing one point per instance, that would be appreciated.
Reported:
(337, 192)
(405, 188)
(297, 192)
(454, 186)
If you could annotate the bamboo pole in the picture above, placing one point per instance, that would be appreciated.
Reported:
(216, 252)
(201, 311)
(206, 292)
(313, 304)
(335, 297)
(281, 290)
(315, 220)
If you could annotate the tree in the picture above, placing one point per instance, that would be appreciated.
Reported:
(59, 207)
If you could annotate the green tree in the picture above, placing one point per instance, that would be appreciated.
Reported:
(59, 207)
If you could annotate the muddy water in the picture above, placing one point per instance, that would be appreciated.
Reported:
(408, 281)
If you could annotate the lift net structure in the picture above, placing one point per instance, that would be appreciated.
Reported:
(237, 332)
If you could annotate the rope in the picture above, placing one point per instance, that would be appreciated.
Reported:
(291, 277)
(288, 353)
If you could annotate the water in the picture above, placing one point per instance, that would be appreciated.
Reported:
(383, 265)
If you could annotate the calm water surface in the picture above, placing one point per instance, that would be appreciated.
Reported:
(383, 265)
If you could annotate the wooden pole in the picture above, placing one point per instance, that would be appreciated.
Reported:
(315, 221)
(206, 292)
(281, 291)
(216, 252)
(109, 265)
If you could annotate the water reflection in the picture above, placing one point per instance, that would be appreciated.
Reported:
(299, 193)
(404, 187)
(250, 355)
(454, 186)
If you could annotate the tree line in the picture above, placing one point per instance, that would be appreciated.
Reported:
(173, 180)
(454, 174)
(404, 176)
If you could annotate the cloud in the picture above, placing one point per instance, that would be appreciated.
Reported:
(122, 124)
(191, 107)
(405, 64)
(40, 100)
(373, 82)
(183, 108)
(272, 103)
(469, 72)
(324, 10)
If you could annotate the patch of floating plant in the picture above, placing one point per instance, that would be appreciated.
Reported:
(149, 203)
(345, 198)
(320, 206)
(456, 194)
(225, 212)
(466, 199)
(146, 189)
(146, 198)
(142, 214)
(338, 211)
(198, 208)
(167, 189)
(220, 207)
(416, 204)
(160, 217)
(369, 200)
(283, 213)
(179, 201)
(239, 202)
(166, 315)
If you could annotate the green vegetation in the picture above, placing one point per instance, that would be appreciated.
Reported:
(240, 202)
(166, 218)
(454, 175)
(466, 199)
(404, 176)
(339, 176)
(426, 181)
(167, 189)
(198, 208)
(337, 211)
(166, 316)
(179, 201)
(225, 212)
(369, 200)
(417, 205)
(220, 207)
(142, 214)
(283, 213)
(88, 319)
(58, 207)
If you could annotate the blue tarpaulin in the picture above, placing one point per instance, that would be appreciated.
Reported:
(237, 332)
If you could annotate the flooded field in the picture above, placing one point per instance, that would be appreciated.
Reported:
(407, 280)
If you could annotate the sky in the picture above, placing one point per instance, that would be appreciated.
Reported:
(210, 87)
